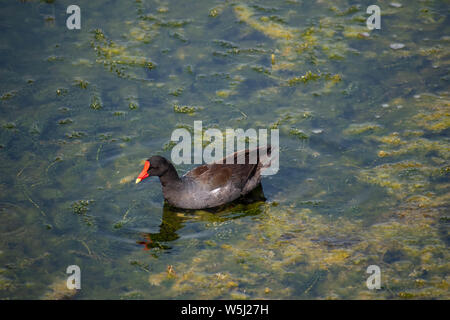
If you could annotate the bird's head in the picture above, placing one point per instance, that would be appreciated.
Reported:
(154, 166)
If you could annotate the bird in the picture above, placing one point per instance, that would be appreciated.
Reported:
(209, 185)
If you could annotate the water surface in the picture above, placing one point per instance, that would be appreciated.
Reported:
(364, 148)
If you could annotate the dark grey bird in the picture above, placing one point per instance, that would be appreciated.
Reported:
(209, 185)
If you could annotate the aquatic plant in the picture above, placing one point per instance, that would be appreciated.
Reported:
(117, 57)
(185, 109)
(363, 122)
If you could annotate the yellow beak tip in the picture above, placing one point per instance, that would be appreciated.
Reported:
(138, 180)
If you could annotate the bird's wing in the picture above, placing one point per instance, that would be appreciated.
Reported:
(220, 174)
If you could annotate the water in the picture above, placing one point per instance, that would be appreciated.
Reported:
(364, 149)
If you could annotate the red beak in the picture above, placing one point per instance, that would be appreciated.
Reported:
(144, 173)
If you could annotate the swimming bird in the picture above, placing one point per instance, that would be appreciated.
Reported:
(209, 185)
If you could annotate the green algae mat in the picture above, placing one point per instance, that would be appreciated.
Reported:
(363, 117)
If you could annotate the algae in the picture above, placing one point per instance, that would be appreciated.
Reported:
(364, 150)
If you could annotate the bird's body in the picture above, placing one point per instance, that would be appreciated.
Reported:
(209, 185)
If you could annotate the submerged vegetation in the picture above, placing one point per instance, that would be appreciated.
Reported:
(363, 118)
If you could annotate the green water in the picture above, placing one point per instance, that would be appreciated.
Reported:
(364, 148)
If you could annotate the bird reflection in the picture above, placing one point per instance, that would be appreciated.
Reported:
(173, 219)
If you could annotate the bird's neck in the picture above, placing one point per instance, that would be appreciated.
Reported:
(170, 177)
